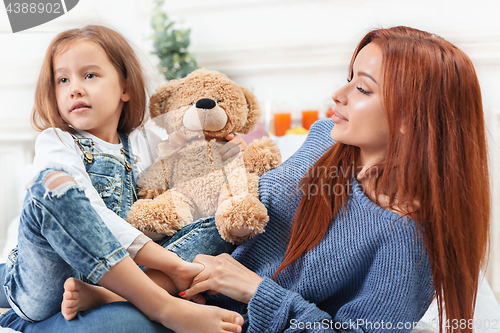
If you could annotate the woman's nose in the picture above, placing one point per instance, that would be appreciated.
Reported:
(339, 96)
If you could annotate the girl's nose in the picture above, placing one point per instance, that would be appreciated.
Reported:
(76, 90)
(339, 96)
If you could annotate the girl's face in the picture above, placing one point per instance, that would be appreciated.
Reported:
(89, 91)
(359, 117)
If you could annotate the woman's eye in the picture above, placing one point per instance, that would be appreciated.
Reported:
(90, 75)
(361, 90)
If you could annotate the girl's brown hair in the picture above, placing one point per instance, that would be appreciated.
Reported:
(437, 135)
(45, 112)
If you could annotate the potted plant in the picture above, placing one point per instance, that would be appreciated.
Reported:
(171, 46)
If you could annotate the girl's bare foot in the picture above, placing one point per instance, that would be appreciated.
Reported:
(80, 296)
(185, 316)
(177, 314)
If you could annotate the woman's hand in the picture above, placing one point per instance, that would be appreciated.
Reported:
(233, 147)
(223, 274)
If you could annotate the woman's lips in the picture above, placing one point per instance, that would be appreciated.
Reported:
(338, 118)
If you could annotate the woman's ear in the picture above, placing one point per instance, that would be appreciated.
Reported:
(254, 111)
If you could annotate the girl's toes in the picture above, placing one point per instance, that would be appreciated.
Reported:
(68, 314)
(69, 295)
(227, 327)
(238, 319)
(70, 285)
(70, 304)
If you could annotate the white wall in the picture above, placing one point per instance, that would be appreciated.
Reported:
(292, 53)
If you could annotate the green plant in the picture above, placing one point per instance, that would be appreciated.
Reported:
(170, 45)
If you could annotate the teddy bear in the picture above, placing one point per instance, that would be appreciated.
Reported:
(189, 180)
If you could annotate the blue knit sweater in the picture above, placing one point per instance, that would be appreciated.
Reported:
(370, 272)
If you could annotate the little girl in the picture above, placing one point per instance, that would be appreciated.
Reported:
(90, 95)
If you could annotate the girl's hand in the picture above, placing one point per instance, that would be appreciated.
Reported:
(223, 274)
(183, 275)
(233, 147)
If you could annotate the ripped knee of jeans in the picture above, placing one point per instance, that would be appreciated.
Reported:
(58, 182)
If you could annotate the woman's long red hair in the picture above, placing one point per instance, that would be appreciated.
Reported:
(437, 136)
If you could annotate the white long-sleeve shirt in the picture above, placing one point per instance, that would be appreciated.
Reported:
(55, 148)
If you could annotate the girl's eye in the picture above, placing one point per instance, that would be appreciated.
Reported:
(361, 90)
(90, 75)
(63, 80)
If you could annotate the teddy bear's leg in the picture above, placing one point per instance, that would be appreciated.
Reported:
(261, 156)
(164, 215)
(241, 216)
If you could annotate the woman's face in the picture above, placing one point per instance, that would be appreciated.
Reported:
(359, 116)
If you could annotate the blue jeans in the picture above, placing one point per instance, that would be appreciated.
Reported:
(118, 317)
(60, 236)
(123, 317)
(199, 237)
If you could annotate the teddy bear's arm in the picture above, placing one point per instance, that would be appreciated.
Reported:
(261, 156)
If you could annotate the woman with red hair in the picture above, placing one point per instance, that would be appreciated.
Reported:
(381, 210)
(395, 213)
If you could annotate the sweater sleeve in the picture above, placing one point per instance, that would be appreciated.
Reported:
(56, 149)
(276, 309)
(393, 295)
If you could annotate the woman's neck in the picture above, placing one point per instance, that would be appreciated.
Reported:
(369, 171)
(369, 166)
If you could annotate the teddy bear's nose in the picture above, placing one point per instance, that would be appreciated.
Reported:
(205, 103)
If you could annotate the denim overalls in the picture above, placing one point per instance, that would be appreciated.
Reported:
(62, 236)
(112, 178)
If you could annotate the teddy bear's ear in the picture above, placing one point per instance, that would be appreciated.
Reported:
(157, 102)
(254, 111)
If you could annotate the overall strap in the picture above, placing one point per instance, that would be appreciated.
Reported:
(130, 158)
(85, 145)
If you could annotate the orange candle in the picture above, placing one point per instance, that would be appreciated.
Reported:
(308, 118)
(282, 122)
